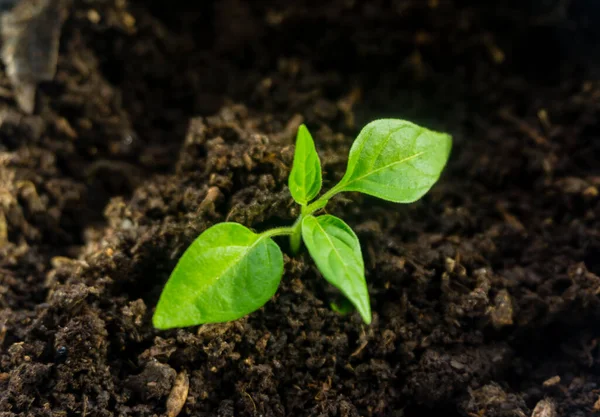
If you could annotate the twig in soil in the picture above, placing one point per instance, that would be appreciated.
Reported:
(523, 127)
(178, 395)
(3, 229)
(346, 103)
(510, 219)
(85, 406)
(251, 400)
(3, 331)
(360, 348)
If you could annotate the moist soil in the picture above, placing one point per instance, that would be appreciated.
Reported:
(164, 119)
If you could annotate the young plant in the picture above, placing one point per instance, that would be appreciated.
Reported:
(230, 271)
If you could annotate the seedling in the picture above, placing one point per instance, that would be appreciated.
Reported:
(230, 271)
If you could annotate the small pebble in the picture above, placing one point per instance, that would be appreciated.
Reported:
(544, 408)
(61, 354)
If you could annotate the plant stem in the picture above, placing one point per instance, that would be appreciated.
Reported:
(296, 237)
(322, 201)
(295, 231)
(278, 231)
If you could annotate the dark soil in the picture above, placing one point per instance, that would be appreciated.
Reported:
(486, 294)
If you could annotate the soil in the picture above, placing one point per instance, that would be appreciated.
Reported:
(164, 119)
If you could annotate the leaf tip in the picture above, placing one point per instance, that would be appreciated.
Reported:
(302, 129)
(159, 321)
(365, 311)
(367, 318)
(163, 319)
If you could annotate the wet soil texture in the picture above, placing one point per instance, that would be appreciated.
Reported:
(167, 117)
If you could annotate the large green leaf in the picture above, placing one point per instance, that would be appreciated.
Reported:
(336, 251)
(305, 179)
(226, 273)
(395, 160)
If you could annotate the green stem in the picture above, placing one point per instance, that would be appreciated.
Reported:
(321, 201)
(296, 237)
(278, 231)
(295, 231)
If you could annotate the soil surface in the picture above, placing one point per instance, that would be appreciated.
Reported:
(164, 119)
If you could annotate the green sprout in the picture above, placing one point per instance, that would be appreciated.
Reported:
(230, 271)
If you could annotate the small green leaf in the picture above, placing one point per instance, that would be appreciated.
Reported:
(396, 160)
(226, 273)
(305, 178)
(342, 307)
(336, 251)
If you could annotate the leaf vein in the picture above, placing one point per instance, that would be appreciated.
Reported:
(408, 158)
(385, 142)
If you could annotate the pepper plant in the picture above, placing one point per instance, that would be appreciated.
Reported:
(230, 271)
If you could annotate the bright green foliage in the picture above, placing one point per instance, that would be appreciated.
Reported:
(230, 271)
(336, 251)
(226, 273)
(396, 160)
(305, 179)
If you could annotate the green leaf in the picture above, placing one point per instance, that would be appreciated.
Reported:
(226, 273)
(305, 178)
(342, 307)
(336, 251)
(395, 160)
